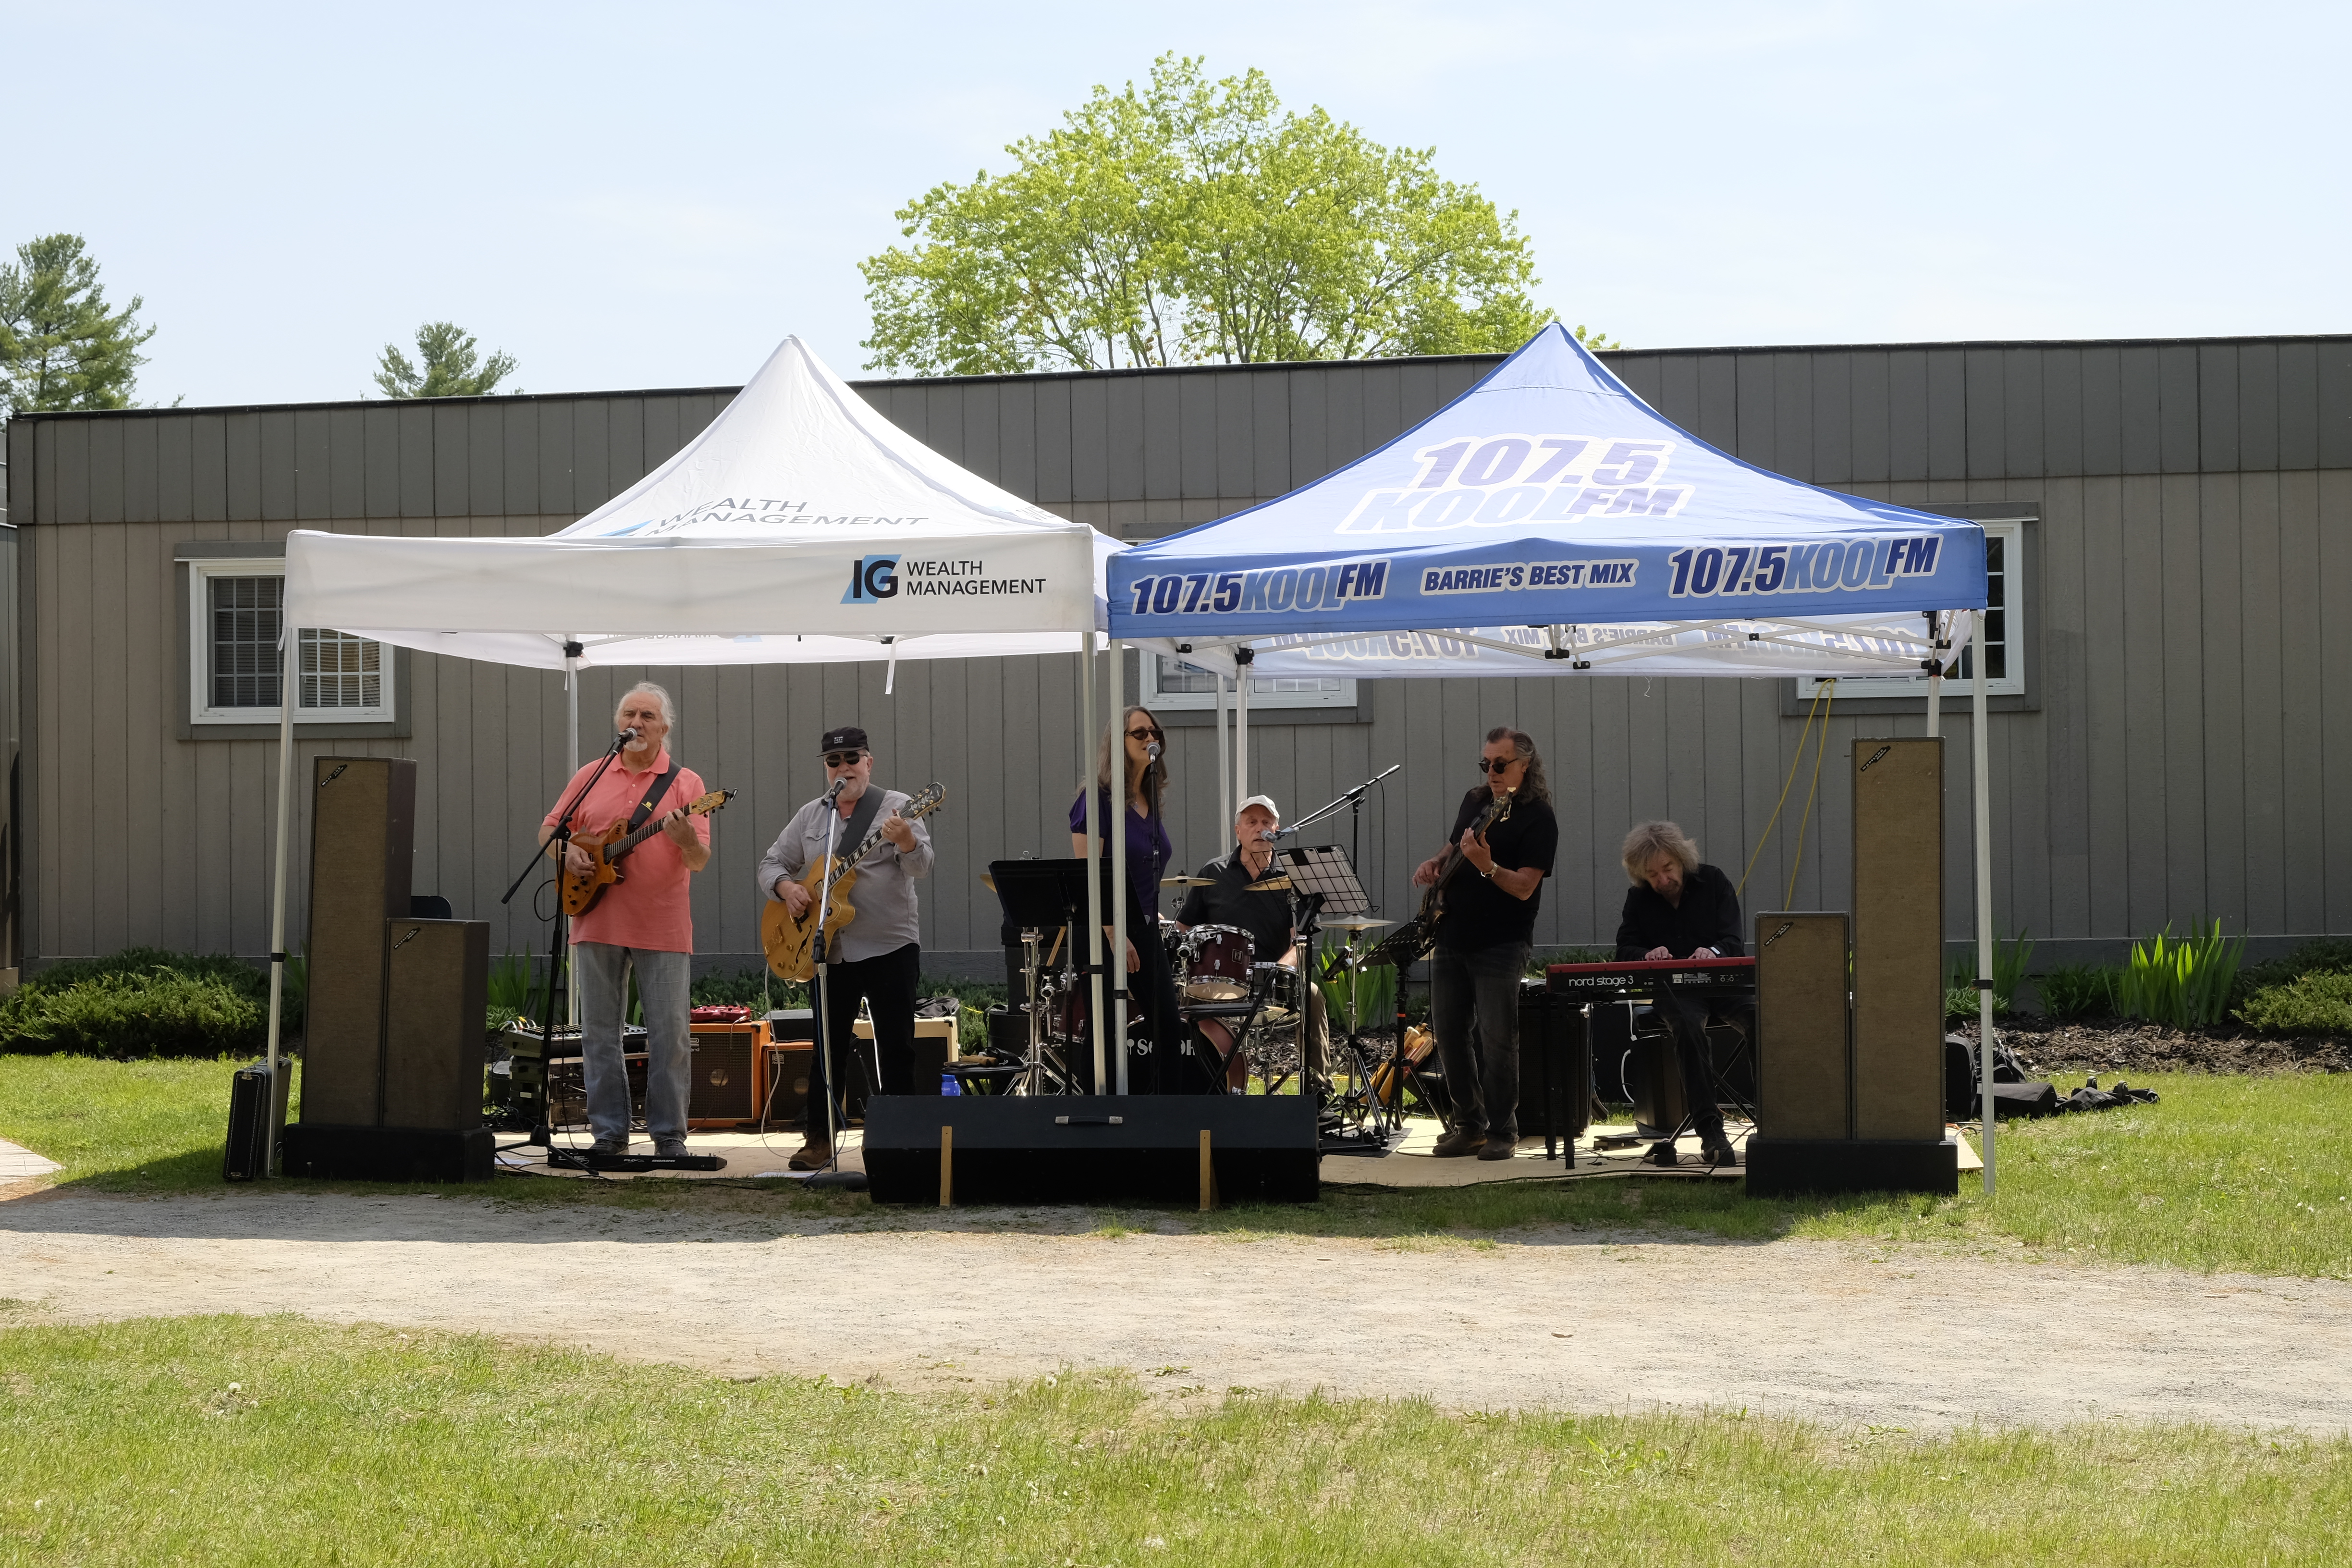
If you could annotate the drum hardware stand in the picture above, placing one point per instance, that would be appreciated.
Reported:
(1325, 880)
(1042, 896)
(541, 1135)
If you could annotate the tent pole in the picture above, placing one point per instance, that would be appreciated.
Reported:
(1934, 683)
(571, 741)
(1982, 746)
(1119, 934)
(1242, 657)
(1224, 765)
(1093, 851)
(287, 694)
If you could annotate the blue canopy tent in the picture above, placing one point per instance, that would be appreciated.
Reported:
(1548, 521)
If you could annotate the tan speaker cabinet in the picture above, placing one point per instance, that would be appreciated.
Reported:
(362, 839)
(1804, 1032)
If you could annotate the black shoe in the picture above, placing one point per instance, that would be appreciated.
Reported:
(1454, 1145)
(1662, 1153)
(669, 1149)
(1500, 1149)
(1719, 1153)
(609, 1146)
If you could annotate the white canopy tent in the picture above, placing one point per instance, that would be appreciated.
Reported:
(799, 527)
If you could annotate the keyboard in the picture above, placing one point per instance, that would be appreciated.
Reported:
(1641, 976)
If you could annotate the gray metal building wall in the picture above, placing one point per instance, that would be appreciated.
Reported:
(2179, 749)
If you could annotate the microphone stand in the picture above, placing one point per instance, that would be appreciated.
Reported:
(1354, 801)
(542, 1135)
(821, 998)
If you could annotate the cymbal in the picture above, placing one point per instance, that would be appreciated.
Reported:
(1187, 881)
(1355, 922)
(1271, 885)
(988, 881)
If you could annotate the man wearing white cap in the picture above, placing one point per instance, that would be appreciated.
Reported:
(1229, 900)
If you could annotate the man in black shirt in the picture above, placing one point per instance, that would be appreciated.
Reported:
(1229, 900)
(1678, 908)
(1484, 932)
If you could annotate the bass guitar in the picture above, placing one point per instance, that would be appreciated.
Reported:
(789, 940)
(608, 848)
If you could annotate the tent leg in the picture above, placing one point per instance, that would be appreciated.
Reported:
(1241, 726)
(1119, 934)
(1980, 745)
(287, 694)
(1224, 763)
(571, 741)
(1094, 852)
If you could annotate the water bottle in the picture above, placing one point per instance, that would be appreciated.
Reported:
(948, 1084)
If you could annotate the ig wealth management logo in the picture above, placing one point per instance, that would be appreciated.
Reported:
(872, 579)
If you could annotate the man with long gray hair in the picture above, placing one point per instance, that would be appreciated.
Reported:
(1680, 908)
(1485, 930)
(643, 923)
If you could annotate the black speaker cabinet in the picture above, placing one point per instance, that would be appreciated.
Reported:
(438, 974)
(1555, 1064)
(363, 839)
(720, 1093)
(1093, 1149)
(1804, 1029)
(1898, 939)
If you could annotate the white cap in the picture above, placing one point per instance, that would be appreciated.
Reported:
(1265, 800)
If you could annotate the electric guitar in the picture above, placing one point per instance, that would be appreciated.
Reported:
(790, 942)
(608, 848)
(1419, 934)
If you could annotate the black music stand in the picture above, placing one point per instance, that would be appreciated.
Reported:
(1039, 896)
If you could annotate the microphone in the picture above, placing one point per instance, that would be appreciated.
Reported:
(1152, 751)
(839, 786)
(623, 738)
(1268, 837)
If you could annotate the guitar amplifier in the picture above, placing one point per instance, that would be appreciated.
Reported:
(436, 991)
(726, 1090)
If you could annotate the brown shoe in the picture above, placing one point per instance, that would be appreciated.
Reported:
(1500, 1149)
(811, 1157)
(1454, 1145)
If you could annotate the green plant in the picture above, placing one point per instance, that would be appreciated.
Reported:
(2328, 955)
(2010, 955)
(2075, 991)
(2319, 1002)
(141, 1002)
(2184, 984)
(1357, 998)
(510, 987)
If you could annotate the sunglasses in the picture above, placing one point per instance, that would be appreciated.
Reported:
(1498, 764)
(1145, 734)
(841, 759)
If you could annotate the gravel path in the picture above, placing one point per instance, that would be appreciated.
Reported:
(1847, 1334)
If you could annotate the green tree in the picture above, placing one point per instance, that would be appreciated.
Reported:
(449, 356)
(60, 347)
(1194, 221)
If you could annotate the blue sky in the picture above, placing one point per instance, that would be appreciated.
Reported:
(637, 196)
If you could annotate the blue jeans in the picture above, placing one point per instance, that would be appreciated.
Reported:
(664, 979)
(1481, 987)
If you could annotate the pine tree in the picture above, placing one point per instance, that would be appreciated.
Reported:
(449, 356)
(60, 347)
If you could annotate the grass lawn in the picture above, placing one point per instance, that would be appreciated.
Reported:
(2226, 1173)
(236, 1440)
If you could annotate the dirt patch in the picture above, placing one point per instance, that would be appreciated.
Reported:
(1919, 1337)
(2050, 1050)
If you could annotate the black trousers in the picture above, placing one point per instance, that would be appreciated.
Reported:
(886, 982)
(1164, 1057)
(1685, 1019)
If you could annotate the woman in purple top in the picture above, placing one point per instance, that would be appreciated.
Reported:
(1162, 1063)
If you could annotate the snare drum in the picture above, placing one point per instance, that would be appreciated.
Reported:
(1212, 964)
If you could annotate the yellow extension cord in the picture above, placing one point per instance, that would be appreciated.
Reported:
(1795, 762)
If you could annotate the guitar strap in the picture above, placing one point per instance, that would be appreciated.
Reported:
(654, 797)
(853, 832)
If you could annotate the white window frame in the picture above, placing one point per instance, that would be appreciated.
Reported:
(200, 575)
(2010, 531)
(1267, 692)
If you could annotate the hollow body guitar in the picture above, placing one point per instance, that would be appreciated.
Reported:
(791, 941)
(1413, 940)
(608, 848)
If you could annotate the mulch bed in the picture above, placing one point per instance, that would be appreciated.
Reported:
(2048, 1049)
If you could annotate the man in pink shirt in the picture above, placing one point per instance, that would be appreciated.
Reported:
(643, 922)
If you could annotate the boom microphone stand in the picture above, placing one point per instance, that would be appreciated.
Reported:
(541, 1135)
(821, 998)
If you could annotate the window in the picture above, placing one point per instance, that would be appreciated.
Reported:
(236, 611)
(2004, 638)
(1172, 683)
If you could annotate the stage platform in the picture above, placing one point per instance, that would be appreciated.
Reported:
(1408, 1163)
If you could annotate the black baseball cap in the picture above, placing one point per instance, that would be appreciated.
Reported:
(848, 738)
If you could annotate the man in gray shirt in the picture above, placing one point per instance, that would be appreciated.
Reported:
(877, 957)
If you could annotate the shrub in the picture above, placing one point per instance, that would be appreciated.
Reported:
(2325, 956)
(180, 1007)
(2319, 1001)
(2073, 991)
(2009, 959)
(2182, 983)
